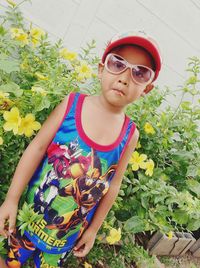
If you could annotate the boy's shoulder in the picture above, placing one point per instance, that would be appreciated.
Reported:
(134, 139)
(131, 145)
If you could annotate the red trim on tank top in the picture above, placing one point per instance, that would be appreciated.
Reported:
(69, 104)
(89, 141)
(132, 130)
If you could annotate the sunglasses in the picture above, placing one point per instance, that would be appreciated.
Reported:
(140, 74)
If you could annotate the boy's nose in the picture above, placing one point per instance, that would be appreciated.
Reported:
(123, 82)
(124, 77)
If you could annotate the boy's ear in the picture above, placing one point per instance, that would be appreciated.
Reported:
(100, 69)
(148, 89)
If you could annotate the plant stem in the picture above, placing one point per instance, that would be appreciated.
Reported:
(176, 110)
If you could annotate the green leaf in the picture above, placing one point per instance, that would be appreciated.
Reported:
(23, 227)
(2, 30)
(20, 217)
(159, 198)
(186, 105)
(141, 212)
(182, 156)
(176, 136)
(36, 217)
(193, 225)
(122, 215)
(144, 201)
(134, 224)
(192, 171)
(13, 88)
(41, 104)
(9, 65)
(135, 189)
(194, 186)
(180, 217)
(121, 193)
(3, 251)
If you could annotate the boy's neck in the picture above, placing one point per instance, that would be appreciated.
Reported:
(109, 107)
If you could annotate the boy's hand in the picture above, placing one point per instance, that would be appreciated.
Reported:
(85, 243)
(8, 212)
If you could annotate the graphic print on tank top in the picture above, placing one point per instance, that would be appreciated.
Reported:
(72, 178)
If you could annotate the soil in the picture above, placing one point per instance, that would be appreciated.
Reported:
(186, 261)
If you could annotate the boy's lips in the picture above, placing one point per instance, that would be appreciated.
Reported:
(119, 91)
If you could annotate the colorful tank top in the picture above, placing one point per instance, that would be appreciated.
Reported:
(71, 180)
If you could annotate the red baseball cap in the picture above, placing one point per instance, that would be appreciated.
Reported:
(138, 38)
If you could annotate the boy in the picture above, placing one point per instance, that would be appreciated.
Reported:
(75, 164)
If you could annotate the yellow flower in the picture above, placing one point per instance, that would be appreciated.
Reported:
(12, 3)
(100, 237)
(15, 32)
(137, 161)
(68, 55)
(13, 120)
(23, 38)
(149, 129)
(24, 65)
(28, 125)
(138, 145)
(170, 235)
(84, 71)
(4, 95)
(149, 166)
(41, 76)
(94, 75)
(114, 236)
(1, 140)
(106, 225)
(36, 34)
(87, 265)
(39, 90)
(19, 35)
(5, 103)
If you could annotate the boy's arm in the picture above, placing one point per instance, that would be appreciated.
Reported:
(87, 240)
(28, 163)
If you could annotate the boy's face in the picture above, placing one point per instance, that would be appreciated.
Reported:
(120, 89)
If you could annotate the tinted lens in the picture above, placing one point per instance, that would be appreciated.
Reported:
(116, 64)
(141, 74)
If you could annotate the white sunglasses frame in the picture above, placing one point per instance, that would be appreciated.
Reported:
(129, 65)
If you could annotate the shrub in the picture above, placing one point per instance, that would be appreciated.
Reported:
(35, 75)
